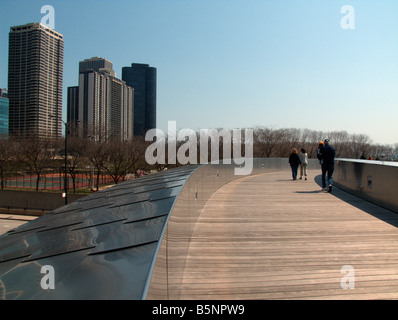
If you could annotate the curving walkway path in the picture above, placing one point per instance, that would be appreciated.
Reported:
(268, 237)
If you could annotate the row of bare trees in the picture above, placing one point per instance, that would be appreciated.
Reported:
(270, 142)
(119, 159)
(39, 155)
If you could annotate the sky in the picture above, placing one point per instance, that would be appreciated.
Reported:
(239, 63)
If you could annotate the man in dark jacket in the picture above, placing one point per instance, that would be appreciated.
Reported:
(327, 154)
(294, 162)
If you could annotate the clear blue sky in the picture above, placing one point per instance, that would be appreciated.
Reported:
(236, 63)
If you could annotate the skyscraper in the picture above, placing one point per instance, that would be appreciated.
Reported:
(102, 104)
(142, 78)
(35, 70)
(96, 63)
(4, 105)
(72, 110)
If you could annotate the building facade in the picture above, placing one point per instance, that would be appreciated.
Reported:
(35, 75)
(4, 106)
(142, 78)
(96, 64)
(102, 106)
(72, 110)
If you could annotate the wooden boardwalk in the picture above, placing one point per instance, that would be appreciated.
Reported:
(268, 237)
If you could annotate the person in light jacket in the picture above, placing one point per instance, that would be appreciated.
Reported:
(303, 163)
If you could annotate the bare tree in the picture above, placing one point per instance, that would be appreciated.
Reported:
(36, 154)
(6, 152)
(117, 162)
(96, 152)
(312, 146)
(264, 141)
(136, 153)
(339, 140)
(382, 152)
(359, 144)
(285, 140)
(75, 158)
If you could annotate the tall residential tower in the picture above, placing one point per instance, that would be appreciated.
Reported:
(35, 70)
(101, 107)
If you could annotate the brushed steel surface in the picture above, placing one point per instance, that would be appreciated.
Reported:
(101, 246)
(374, 181)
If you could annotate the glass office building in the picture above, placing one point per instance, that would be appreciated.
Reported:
(142, 78)
(4, 105)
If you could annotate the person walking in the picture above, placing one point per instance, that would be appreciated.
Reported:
(303, 163)
(327, 155)
(318, 152)
(294, 162)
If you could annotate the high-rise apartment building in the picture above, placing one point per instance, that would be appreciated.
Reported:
(142, 78)
(96, 64)
(4, 106)
(35, 70)
(101, 107)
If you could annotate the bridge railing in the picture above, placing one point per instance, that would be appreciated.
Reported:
(374, 181)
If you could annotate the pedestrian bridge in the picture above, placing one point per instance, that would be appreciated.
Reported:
(200, 232)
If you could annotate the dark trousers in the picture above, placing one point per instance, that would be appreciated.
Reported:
(327, 170)
(294, 171)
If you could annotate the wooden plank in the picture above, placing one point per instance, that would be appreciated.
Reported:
(268, 237)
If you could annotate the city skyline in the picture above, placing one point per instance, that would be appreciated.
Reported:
(224, 64)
